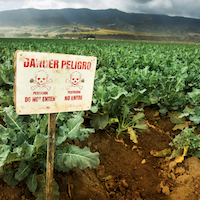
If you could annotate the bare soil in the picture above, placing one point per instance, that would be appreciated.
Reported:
(127, 171)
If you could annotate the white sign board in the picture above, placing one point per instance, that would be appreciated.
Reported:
(51, 83)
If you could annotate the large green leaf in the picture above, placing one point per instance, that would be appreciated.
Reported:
(174, 118)
(18, 150)
(12, 157)
(94, 109)
(4, 134)
(85, 133)
(12, 135)
(197, 110)
(125, 111)
(163, 111)
(62, 116)
(195, 119)
(23, 171)
(31, 182)
(72, 156)
(186, 112)
(28, 150)
(137, 96)
(63, 131)
(99, 121)
(196, 116)
(140, 126)
(101, 94)
(8, 177)
(118, 91)
(6, 97)
(73, 130)
(153, 98)
(138, 117)
(33, 129)
(43, 124)
(74, 127)
(40, 140)
(13, 120)
(4, 151)
(21, 138)
(194, 95)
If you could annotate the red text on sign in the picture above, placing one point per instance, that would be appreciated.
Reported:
(51, 98)
(76, 97)
(55, 64)
(36, 99)
(70, 64)
(27, 99)
(35, 63)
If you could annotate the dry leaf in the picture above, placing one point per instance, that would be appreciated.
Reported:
(163, 153)
(179, 159)
(133, 135)
(180, 126)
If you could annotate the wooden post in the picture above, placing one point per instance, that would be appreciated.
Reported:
(50, 155)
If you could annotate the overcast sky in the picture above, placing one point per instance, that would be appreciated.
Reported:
(186, 8)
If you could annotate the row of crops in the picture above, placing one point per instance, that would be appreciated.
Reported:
(129, 76)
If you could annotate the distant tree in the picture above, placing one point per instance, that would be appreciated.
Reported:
(24, 35)
(59, 36)
(45, 35)
(90, 36)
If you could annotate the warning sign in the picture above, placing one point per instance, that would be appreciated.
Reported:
(51, 83)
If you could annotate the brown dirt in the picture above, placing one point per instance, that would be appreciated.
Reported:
(127, 171)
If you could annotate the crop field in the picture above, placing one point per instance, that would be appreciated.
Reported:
(140, 139)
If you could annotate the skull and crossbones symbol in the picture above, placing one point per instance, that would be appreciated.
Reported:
(75, 80)
(41, 80)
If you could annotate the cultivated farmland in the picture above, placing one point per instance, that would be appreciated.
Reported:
(138, 141)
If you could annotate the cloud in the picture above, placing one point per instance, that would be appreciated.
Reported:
(187, 8)
(142, 1)
(12, 1)
(11, 4)
(58, 4)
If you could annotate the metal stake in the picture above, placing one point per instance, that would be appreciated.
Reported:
(50, 155)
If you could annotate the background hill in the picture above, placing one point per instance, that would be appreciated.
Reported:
(111, 19)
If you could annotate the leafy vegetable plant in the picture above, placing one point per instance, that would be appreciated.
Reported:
(23, 147)
(163, 75)
(128, 121)
(193, 114)
(186, 143)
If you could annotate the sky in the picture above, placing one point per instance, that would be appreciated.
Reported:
(185, 8)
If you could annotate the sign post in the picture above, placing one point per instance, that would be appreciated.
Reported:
(52, 83)
(50, 155)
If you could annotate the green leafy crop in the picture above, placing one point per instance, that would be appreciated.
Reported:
(129, 121)
(23, 147)
(187, 139)
(128, 74)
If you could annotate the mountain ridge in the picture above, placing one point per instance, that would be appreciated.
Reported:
(109, 19)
